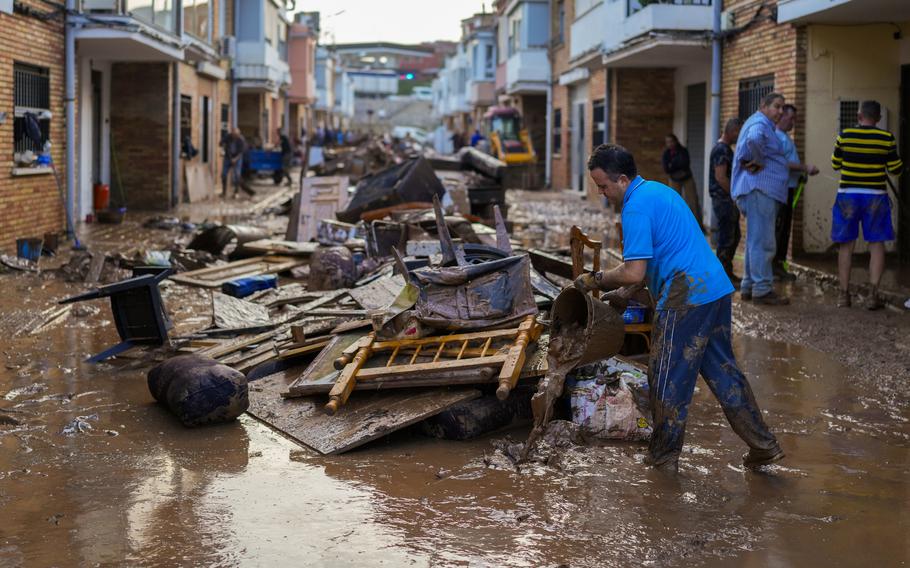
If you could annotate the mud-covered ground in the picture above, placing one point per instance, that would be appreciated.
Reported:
(93, 473)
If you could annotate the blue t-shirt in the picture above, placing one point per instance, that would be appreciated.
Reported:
(658, 226)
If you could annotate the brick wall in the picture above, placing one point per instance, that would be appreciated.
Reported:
(561, 162)
(767, 48)
(140, 132)
(644, 100)
(30, 205)
(597, 89)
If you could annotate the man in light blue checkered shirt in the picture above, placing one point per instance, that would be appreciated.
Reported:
(759, 186)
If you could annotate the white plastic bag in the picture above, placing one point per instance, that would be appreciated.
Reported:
(604, 406)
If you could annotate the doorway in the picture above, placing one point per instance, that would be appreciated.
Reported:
(206, 129)
(696, 100)
(97, 125)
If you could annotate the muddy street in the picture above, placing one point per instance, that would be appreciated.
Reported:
(93, 472)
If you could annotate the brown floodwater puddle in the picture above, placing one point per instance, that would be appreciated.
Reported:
(92, 472)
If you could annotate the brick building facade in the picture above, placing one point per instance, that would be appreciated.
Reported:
(30, 204)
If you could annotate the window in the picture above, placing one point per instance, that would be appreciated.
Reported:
(599, 128)
(31, 94)
(848, 112)
(561, 22)
(186, 120)
(514, 36)
(557, 131)
(751, 92)
(488, 64)
(196, 18)
(225, 118)
(159, 13)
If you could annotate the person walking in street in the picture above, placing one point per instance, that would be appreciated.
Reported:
(760, 172)
(864, 155)
(234, 146)
(798, 172)
(663, 246)
(287, 158)
(675, 160)
(725, 211)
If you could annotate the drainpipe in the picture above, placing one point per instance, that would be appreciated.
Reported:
(175, 134)
(548, 144)
(69, 99)
(715, 73)
(234, 65)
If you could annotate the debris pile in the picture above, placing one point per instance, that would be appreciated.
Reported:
(395, 296)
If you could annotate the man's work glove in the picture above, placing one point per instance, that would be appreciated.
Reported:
(617, 300)
(586, 282)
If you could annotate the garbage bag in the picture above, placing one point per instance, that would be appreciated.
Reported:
(606, 400)
(473, 418)
(199, 390)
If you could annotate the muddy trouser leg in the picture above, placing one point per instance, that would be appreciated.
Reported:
(782, 229)
(728, 232)
(678, 344)
(729, 385)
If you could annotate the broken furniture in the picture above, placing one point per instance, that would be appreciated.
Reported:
(319, 198)
(137, 309)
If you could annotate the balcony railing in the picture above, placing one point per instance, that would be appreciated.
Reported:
(637, 5)
(158, 13)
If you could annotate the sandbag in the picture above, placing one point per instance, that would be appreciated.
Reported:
(199, 390)
(332, 268)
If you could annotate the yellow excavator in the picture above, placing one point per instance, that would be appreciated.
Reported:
(509, 141)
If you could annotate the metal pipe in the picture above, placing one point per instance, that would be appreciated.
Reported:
(69, 99)
(236, 35)
(548, 144)
(175, 135)
(716, 73)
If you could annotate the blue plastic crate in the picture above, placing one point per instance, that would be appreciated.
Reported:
(264, 160)
(243, 287)
(635, 313)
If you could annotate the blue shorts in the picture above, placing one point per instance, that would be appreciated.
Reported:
(874, 211)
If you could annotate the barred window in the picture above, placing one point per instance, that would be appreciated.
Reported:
(599, 134)
(31, 94)
(557, 131)
(848, 112)
(751, 92)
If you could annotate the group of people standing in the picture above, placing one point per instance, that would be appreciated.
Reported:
(762, 178)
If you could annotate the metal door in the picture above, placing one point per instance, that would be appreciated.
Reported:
(696, 100)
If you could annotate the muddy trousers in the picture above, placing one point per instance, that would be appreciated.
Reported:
(684, 343)
(728, 231)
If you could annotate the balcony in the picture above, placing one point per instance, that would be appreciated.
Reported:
(481, 93)
(259, 67)
(588, 31)
(130, 30)
(838, 12)
(527, 72)
(645, 16)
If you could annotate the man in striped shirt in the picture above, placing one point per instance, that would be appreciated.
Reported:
(864, 155)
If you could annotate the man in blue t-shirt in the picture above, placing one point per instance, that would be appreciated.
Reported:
(663, 245)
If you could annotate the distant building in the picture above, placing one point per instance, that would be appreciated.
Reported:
(303, 37)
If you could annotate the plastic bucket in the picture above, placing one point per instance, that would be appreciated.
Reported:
(29, 249)
(603, 327)
(101, 196)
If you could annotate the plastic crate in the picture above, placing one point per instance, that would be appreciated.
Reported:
(264, 160)
(635, 313)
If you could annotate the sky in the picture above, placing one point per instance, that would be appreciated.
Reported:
(399, 21)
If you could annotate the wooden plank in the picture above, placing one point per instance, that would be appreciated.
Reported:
(215, 276)
(378, 373)
(277, 246)
(366, 416)
(379, 293)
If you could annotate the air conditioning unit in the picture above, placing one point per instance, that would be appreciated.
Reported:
(100, 6)
(228, 47)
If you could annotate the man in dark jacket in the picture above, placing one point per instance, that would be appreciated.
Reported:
(675, 160)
